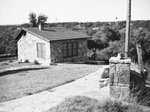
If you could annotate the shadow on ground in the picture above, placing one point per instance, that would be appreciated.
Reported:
(20, 70)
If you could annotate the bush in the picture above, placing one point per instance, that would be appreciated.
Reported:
(26, 61)
(36, 62)
(112, 50)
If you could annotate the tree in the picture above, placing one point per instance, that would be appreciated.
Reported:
(32, 18)
(112, 50)
(141, 37)
(42, 18)
(101, 39)
(92, 45)
(105, 34)
(90, 32)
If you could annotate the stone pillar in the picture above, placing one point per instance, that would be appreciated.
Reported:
(119, 77)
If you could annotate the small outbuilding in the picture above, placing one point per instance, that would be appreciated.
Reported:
(51, 45)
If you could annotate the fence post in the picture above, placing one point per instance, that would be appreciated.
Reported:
(140, 59)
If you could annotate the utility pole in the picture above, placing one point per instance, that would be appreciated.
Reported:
(127, 39)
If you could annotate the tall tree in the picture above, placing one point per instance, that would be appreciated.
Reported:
(42, 18)
(102, 38)
(32, 18)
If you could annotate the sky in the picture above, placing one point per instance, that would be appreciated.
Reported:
(17, 11)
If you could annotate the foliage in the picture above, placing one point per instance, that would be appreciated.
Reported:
(32, 19)
(35, 21)
(101, 41)
(42, 18)
(139, 34)
(140, 24)
(8, 43)
(88, 24)
(92, 45)
(90, 32)
(36, 62)
(26, 61)
(86, 104)
(142, 37)
(112, 50)
(105, 35)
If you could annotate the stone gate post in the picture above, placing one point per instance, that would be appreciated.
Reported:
(119, 77)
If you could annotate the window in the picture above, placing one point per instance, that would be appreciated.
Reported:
(70, 49)
(65, 49)
(41, 50)
(75, 48)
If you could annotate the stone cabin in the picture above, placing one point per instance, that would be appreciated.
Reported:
(51, 45)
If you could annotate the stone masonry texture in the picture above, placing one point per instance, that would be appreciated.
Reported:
(57, 54)
(119, 78)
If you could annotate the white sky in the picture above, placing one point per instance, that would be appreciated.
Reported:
(17, 11)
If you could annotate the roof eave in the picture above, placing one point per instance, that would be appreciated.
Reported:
(17, 37)
(70, 39)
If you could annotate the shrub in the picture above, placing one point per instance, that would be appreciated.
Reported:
(26, 61)
(36, 62)
(112, 50)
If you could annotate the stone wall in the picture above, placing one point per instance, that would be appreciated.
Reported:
(119, 78)
(27, 49)
(57, 55)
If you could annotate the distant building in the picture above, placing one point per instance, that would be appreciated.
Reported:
(50, 45)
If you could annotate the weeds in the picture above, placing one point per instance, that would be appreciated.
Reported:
(86, 104)
(140, 94)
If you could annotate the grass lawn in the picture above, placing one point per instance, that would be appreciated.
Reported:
(27, 81)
